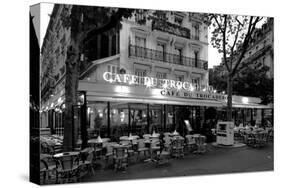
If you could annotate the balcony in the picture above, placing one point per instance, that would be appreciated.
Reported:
(163, 25)
(146, 53)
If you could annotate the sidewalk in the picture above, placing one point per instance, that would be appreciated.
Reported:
(215, 161)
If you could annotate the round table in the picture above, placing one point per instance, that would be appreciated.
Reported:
(71, 153)
(130, 138)
(96, 141)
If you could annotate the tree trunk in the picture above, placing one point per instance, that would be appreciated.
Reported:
(229, 98)
(71, 85)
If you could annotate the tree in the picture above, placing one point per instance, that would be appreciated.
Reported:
(231, 35)
(83, 22)
(255, 83)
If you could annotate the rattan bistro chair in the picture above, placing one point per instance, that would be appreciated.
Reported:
(177, 147)
(43, 172)
(200, 142)
(190, 143)
(142, 148)
(120, 157)
(68, 169)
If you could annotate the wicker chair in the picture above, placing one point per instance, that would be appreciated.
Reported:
(68, 169)
(200, 142)
(142, 148)
(177, 147)
(120, 157)
(190, 143)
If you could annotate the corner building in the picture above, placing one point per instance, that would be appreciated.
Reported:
(137, 78)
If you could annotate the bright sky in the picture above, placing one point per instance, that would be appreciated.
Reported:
(46, 10)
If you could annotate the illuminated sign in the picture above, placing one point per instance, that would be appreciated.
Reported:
(152, 82)
(168, 87)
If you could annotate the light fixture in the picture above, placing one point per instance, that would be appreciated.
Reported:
(245, 100)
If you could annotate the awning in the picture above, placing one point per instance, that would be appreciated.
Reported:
(188, 102)
(249, 105)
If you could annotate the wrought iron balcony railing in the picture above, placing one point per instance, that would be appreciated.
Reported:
(156, 55)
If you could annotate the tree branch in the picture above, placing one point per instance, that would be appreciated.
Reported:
(224, 44)
(251, 28)
(235, 40)
(219, 25)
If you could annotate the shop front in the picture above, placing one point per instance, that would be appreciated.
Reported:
(118, 107)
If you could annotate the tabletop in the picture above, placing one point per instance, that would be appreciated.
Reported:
(71, 153)
(134, 137)
(95, 140)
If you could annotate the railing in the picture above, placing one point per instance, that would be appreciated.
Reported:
(195, 37)
(146, 53)
(165, 26)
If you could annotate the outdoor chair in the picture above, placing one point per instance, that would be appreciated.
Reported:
(130, 149)
(177, 147)
(43, 172)
(200, 142)
(190, 143)
(86, 165)
(68, 169)
(154, 147)
(120, 157)
(260, 139)
(45, 147)
(167, 143)
(109, 151)
(142, 148)
(97, 150)
(249, 139)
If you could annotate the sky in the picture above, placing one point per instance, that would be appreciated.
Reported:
(214, 58)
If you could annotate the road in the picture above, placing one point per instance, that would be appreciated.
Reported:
(216, 160)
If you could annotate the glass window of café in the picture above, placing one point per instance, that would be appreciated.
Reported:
(119, 119)
(156, 118)
(138, 118)
(97, 119)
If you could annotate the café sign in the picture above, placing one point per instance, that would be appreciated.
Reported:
(169, 87)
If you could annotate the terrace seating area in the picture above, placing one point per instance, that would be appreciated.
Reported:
(103, 153)
(256, 137)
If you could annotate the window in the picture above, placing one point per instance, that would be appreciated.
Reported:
(196, 32)
(179, 78)
(140, 46)
(196, 59)
(178, 57)
(161, 75)
(196, 82)
(113, 69)
(140, 73)
(140, 41)
(140, 16)
(161, 51)
(178, 19)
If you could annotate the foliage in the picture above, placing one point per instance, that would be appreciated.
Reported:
(254, 82)
(231, 35)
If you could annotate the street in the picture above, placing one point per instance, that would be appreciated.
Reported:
(215, 161)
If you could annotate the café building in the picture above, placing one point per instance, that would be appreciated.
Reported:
(140, 79)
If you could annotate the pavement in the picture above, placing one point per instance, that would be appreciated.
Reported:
(216, 160)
